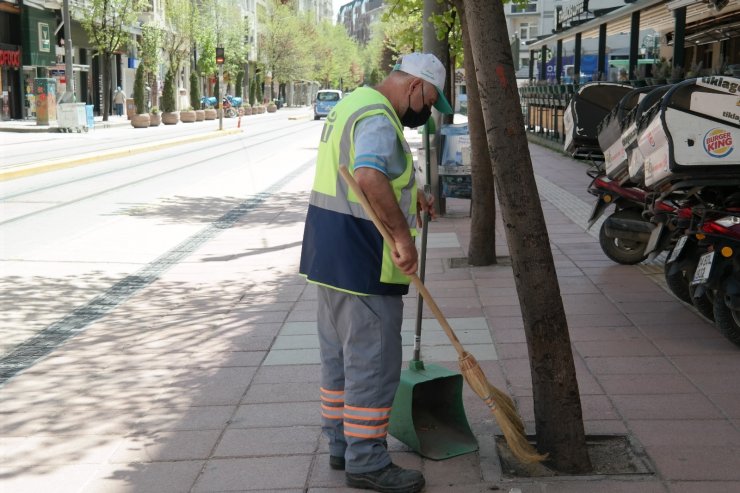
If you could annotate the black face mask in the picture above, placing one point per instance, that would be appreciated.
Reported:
(412, 118)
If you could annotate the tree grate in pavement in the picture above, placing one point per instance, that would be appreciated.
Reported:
(611, 455)
(27, 353)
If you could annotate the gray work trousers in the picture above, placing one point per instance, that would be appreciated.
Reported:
(360, 341)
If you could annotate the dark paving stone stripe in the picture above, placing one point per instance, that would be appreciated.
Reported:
(47, 340)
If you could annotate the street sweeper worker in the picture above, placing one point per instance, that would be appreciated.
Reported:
(360, 279)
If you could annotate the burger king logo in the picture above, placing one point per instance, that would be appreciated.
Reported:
(718, 143)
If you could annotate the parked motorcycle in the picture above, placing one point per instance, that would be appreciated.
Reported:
(624, 235)
(717, 275)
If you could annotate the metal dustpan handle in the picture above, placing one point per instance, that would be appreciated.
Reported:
(416, 363)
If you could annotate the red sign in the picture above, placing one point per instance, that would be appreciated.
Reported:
(10, 58)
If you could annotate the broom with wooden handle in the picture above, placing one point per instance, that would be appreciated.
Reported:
(501, 405)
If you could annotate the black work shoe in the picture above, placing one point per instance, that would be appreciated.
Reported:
(390, 479)
(336, 463)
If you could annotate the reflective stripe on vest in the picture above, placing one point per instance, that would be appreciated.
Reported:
(341, 247)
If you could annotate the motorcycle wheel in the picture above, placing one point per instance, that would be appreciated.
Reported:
(678, 283)
(625, 252)
(727, 320)
(705, 302)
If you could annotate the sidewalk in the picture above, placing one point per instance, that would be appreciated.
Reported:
(30, 126)
(206, 380)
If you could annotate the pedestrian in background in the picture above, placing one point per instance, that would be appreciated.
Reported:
(360, 280)
(119, 99)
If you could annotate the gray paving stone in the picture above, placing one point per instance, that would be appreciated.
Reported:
(68, 478)
(179, 419)
(166, 446)
(666, 406)
(281, 392)
(258, 473)
(165, 477)
(267, 415)
(255, 442)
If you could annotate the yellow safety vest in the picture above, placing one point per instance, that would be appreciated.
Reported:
(342, 249)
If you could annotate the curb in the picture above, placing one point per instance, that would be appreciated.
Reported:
(34, 169)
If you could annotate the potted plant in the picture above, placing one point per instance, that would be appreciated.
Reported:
(271, 107)
(188, 115)
(200, 114)
(247, 110)
(155, 117)
(141, 118)
(210, 113)
(169, 115)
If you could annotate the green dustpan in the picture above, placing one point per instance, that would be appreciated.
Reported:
(428, 413)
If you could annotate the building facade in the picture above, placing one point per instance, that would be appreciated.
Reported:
(358, 16)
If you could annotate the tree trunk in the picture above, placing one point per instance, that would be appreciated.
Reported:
(440, 48)
(482, 249)
(557, 406)
(106, 86)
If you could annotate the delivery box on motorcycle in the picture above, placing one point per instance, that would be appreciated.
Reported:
(610, 132)
(586, 109)
(637, 117)
(693, 133)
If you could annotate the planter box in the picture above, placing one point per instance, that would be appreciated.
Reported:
(210, 114)
(155, 119)
(271, 108)
(200, 115)
(247, 110)
(187, 116)
(170, 118)
(140, 120)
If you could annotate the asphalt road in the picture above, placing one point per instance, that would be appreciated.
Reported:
(76, 242)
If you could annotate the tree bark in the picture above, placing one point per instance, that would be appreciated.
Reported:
(482, 249)
(440, 48)
(557, 406)
(106, 86)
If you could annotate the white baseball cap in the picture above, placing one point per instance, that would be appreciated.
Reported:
(427, 67)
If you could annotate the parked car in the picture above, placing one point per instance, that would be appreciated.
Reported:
(325, 101)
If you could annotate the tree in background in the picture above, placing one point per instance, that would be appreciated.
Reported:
(168, 93)
(336, 58)
(252, 92)
(106, 23)
(482, 247)
(150, 53)
(285, 43)
(182, 18)
(194, 91)
(139, 99)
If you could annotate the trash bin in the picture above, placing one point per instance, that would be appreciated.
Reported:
(90, 115)
(72, 117)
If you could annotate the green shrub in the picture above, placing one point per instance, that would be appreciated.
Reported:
(252, 92)
(259, 91)
(139, 98)
(168, 93)
(194, 91)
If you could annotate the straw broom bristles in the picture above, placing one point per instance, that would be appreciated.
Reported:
(503, 409)
(501, 405)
